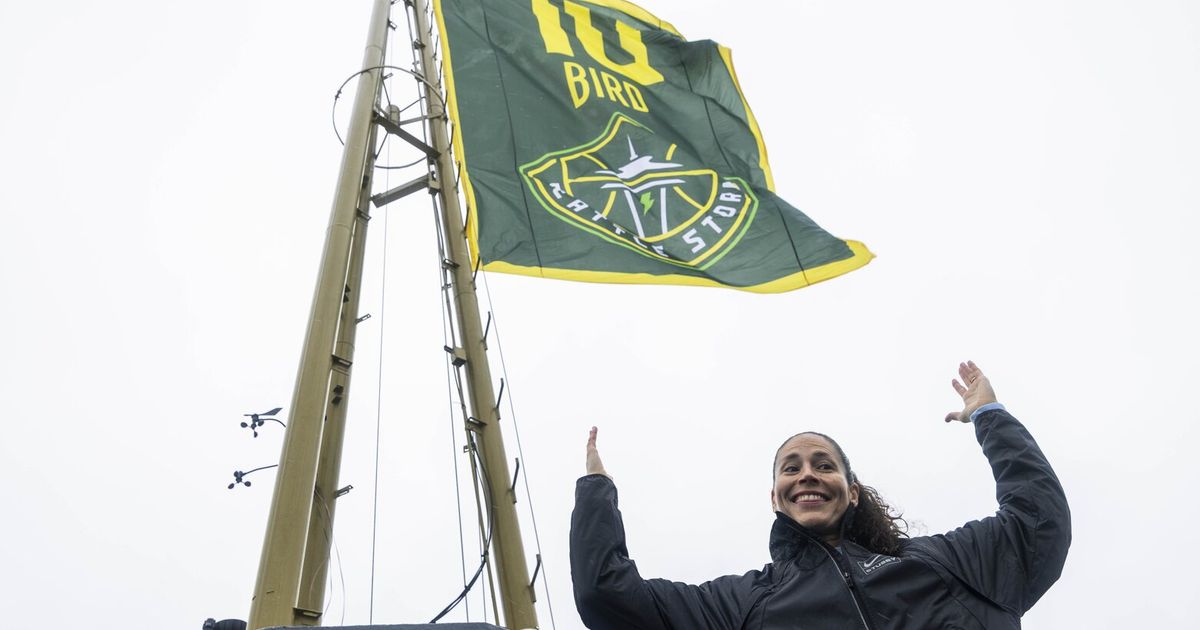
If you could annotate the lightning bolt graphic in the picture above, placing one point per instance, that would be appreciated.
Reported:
(647, 201)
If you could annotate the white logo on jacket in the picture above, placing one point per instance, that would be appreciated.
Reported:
(876, 562)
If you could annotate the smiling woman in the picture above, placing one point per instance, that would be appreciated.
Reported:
(839, 557)
(815, 486)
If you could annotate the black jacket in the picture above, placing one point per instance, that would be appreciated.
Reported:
(985, 574)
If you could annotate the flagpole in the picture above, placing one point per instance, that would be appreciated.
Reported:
(295, 552)
(516, 592)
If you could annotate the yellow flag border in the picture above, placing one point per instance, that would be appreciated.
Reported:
(807, 277)
(797, 280)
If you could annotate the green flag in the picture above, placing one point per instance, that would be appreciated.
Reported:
(597, 144)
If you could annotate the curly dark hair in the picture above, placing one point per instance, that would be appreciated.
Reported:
(872, 523)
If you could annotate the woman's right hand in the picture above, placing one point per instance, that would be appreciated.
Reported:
(594, 465)
(975, 389)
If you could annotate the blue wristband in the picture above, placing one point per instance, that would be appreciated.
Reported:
(987, 407)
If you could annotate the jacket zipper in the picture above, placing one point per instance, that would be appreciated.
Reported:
(849, 585)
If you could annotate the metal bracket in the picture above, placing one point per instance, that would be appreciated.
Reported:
(304, 612)
(418, 118)
(500, 396)
(343, 492)
(403, 190)
(381, 119)
(459, 356)
(536, 569)
(513, 488)
(363, 318)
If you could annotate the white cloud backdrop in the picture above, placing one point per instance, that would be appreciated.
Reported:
(1026, 174)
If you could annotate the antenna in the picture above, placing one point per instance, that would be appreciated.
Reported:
(296, 548)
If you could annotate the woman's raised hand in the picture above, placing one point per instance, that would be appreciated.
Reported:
(594, 465)
(975, 389)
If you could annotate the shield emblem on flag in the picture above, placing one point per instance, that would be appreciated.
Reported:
(632, 187)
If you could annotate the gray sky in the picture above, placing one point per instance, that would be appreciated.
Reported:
(1026, 174)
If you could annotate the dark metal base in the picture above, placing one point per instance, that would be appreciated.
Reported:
(407, 626)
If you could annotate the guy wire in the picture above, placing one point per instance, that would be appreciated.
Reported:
(379, 370)
(341, 577)
(379, 407)
(517, 432)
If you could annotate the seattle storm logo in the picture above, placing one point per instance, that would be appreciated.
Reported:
(635, 189)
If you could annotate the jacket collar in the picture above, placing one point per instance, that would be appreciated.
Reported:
(789, 538)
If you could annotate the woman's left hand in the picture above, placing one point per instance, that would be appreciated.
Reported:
(976, 392)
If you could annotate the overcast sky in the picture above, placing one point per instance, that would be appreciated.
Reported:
(1026, 173)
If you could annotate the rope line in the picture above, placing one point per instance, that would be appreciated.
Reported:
(379, 400)
(328, 531)
(479, 468)
(449, 336)
(341, 577)
(462, 545)
(390, 48)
